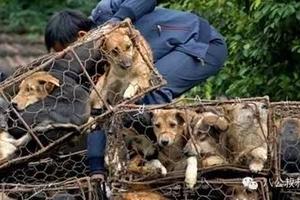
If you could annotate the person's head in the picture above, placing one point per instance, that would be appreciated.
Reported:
(66, 27)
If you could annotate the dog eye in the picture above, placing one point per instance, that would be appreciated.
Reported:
(28, 89)
(172, 125)
(157, 125)
(128, 46)
(114, 51)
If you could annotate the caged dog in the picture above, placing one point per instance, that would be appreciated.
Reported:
(49, 100)
(143, 153)
(127, 72)
(247, 134)
(171, 128)
(289, 133)
(8, 144)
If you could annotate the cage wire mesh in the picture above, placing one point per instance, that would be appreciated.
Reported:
(48, 170)
(286, 125)
(173, 188)
(82, 188)
(48, 102)
(288, 194)
(223, 136)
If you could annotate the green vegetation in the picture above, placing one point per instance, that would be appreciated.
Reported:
(264, 45)
(30, 16)
(263, 39)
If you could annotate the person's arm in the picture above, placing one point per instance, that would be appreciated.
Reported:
(121, 9)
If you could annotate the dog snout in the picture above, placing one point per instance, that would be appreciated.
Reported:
(125, 62)
(164, 142)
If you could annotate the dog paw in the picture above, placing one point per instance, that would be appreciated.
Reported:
(190, 180)
(130, 91)
(256, 166)
(191, 172)
(213, 161)
(260, 153)
(156, 164)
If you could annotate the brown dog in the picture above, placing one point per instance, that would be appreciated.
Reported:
(247, 134)
(128, 73)
(34, 88)
(171, 128)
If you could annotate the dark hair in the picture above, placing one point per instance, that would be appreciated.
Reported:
(64, 26)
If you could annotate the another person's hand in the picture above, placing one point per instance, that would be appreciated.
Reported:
(114, 21)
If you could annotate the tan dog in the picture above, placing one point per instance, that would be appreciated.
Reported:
(128, 73)
(34, 88)
(247, 134)
(171, 128)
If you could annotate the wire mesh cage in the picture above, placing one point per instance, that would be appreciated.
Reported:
(49, 102)
(286, 125)
(216, 189)
(48, 170)
(165, 140)
(288, 194)
(82, 188)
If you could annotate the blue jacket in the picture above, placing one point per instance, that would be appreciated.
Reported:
(164, 29)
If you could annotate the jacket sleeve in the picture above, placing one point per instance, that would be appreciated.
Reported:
(134, 9)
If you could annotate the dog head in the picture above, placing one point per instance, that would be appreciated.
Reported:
(245, 114)
(207, 132)
(34, 88)
(169, 126)
(119, 46)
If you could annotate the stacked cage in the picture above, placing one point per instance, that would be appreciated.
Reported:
(174, 146)
(48, 108)
(286, 125)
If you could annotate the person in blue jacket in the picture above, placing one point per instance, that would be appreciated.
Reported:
(186, 49)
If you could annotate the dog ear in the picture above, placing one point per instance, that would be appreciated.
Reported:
(180, 117)
(152, 113)
(49, 83)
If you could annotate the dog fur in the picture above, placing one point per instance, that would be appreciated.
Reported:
(8, 144)
(47, 106)
(240, 193)
(34, 88)
(171, 127)
(127, 72)
(143, 153)
(247, 134)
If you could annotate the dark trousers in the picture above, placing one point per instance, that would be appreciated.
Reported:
(182, 72)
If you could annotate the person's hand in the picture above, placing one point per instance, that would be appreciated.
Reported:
(114, 21)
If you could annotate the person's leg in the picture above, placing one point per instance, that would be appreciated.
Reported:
(96, 144)
(182, 72)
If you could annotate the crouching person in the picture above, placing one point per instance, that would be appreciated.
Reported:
(186, 49)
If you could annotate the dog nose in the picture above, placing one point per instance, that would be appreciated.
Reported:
(164, 142)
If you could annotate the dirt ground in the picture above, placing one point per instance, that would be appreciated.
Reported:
(16, 50)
